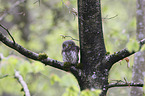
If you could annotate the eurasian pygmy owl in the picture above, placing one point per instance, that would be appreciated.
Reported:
(70, 52)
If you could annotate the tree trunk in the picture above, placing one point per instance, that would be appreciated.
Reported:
(139, 60)
(92, 48)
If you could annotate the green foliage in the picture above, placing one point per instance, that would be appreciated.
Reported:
(119, 23)
(37, 67)
(68, 80)
(132, 45)
(54, 79)
(9, 18)
(90, 93)
(74, 91)
(8, 65)
(71, 91)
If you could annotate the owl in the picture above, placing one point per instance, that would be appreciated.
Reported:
(70, 52)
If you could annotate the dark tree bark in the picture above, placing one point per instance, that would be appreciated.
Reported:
(91, 44)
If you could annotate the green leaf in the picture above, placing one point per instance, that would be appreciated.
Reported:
(54, 78)
(90, 93)
(132, 45)
(97, 92)
(66, 78)
(85, 93)
(13, 60)
(72, 91)
(25, 68)
(37, 67)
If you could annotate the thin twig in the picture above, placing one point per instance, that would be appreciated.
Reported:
(110, 17)
(124, 84)
(36, 2)
(23, 83)
(1, 77)
(142, 42)
(64, 36)
(118, 81)
(8, 33)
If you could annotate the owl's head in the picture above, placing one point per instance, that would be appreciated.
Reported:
(68, 44)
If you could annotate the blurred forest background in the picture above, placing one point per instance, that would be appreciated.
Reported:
(39, 26)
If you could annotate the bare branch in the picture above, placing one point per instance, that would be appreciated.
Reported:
(124, 84)
(30, 54)
(117, 56)
(36, 2)
(8, 32)
(110, 17)
(22, 82)
(142, 42)
(64, 36)
(1, 77)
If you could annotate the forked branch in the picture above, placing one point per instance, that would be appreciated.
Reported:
(117, 56)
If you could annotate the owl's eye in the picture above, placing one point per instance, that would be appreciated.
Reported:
(69, 45)
(64, 45)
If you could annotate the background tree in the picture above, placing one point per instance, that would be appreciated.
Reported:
(139, 64)
(90, 23)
